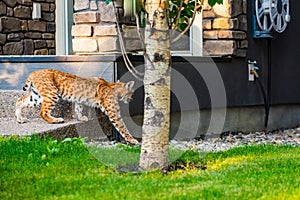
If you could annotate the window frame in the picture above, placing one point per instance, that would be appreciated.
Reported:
(196, 39)
(64, 22)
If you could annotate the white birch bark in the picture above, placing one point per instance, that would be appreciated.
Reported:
(155, 138)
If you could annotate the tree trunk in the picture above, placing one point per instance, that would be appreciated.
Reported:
(154, 152)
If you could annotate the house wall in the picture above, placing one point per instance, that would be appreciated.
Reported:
(94, 28)
(20, 34)
(277, 58)
(225, 29)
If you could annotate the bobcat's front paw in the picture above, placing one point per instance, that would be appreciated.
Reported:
(133, 141)
(83, 118)
(57, 120)
(22, 120)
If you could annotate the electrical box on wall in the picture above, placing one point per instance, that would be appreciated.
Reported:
(36, 11)
(268, 14)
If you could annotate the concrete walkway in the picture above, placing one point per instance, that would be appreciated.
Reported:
(36, 125)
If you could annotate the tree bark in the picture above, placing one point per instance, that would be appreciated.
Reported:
(155, 138)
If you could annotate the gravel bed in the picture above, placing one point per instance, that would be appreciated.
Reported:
(227, 141)
(230, 140)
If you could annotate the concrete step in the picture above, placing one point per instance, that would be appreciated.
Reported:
(97, 128)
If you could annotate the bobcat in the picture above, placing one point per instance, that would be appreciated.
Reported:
(47, 86)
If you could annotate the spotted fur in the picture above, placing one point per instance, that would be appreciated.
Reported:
(45, 87)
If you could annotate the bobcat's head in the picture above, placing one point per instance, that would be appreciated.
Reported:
(126, 92)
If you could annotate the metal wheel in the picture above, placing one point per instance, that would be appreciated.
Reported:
(280, 14)
(262, 12)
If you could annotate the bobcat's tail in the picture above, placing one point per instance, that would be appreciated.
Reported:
(28, 84)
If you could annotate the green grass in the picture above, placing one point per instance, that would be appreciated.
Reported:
(34, 168)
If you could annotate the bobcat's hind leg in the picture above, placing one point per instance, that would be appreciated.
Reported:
(48, 104)
(78, 111)
(22, 102)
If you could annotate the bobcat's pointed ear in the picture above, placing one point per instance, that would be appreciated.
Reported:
(129, 85)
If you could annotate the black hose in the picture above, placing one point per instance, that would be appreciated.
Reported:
(266, 97)
(266, 103)
(268, 83)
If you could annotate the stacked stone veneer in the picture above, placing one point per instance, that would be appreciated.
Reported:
(224, 29)
(20, 35)
(94, 29)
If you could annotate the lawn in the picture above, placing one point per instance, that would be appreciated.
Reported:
(35, 168)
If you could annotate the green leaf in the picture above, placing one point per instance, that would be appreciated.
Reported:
(54, 151)
(182, 26)
(213, 2)
(67, 140)
(44, 157)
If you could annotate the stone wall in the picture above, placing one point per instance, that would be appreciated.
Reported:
(94, 30)
(20, 35)
(224, 29)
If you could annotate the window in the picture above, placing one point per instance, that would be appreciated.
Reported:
(64, 21)
(190, 44)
